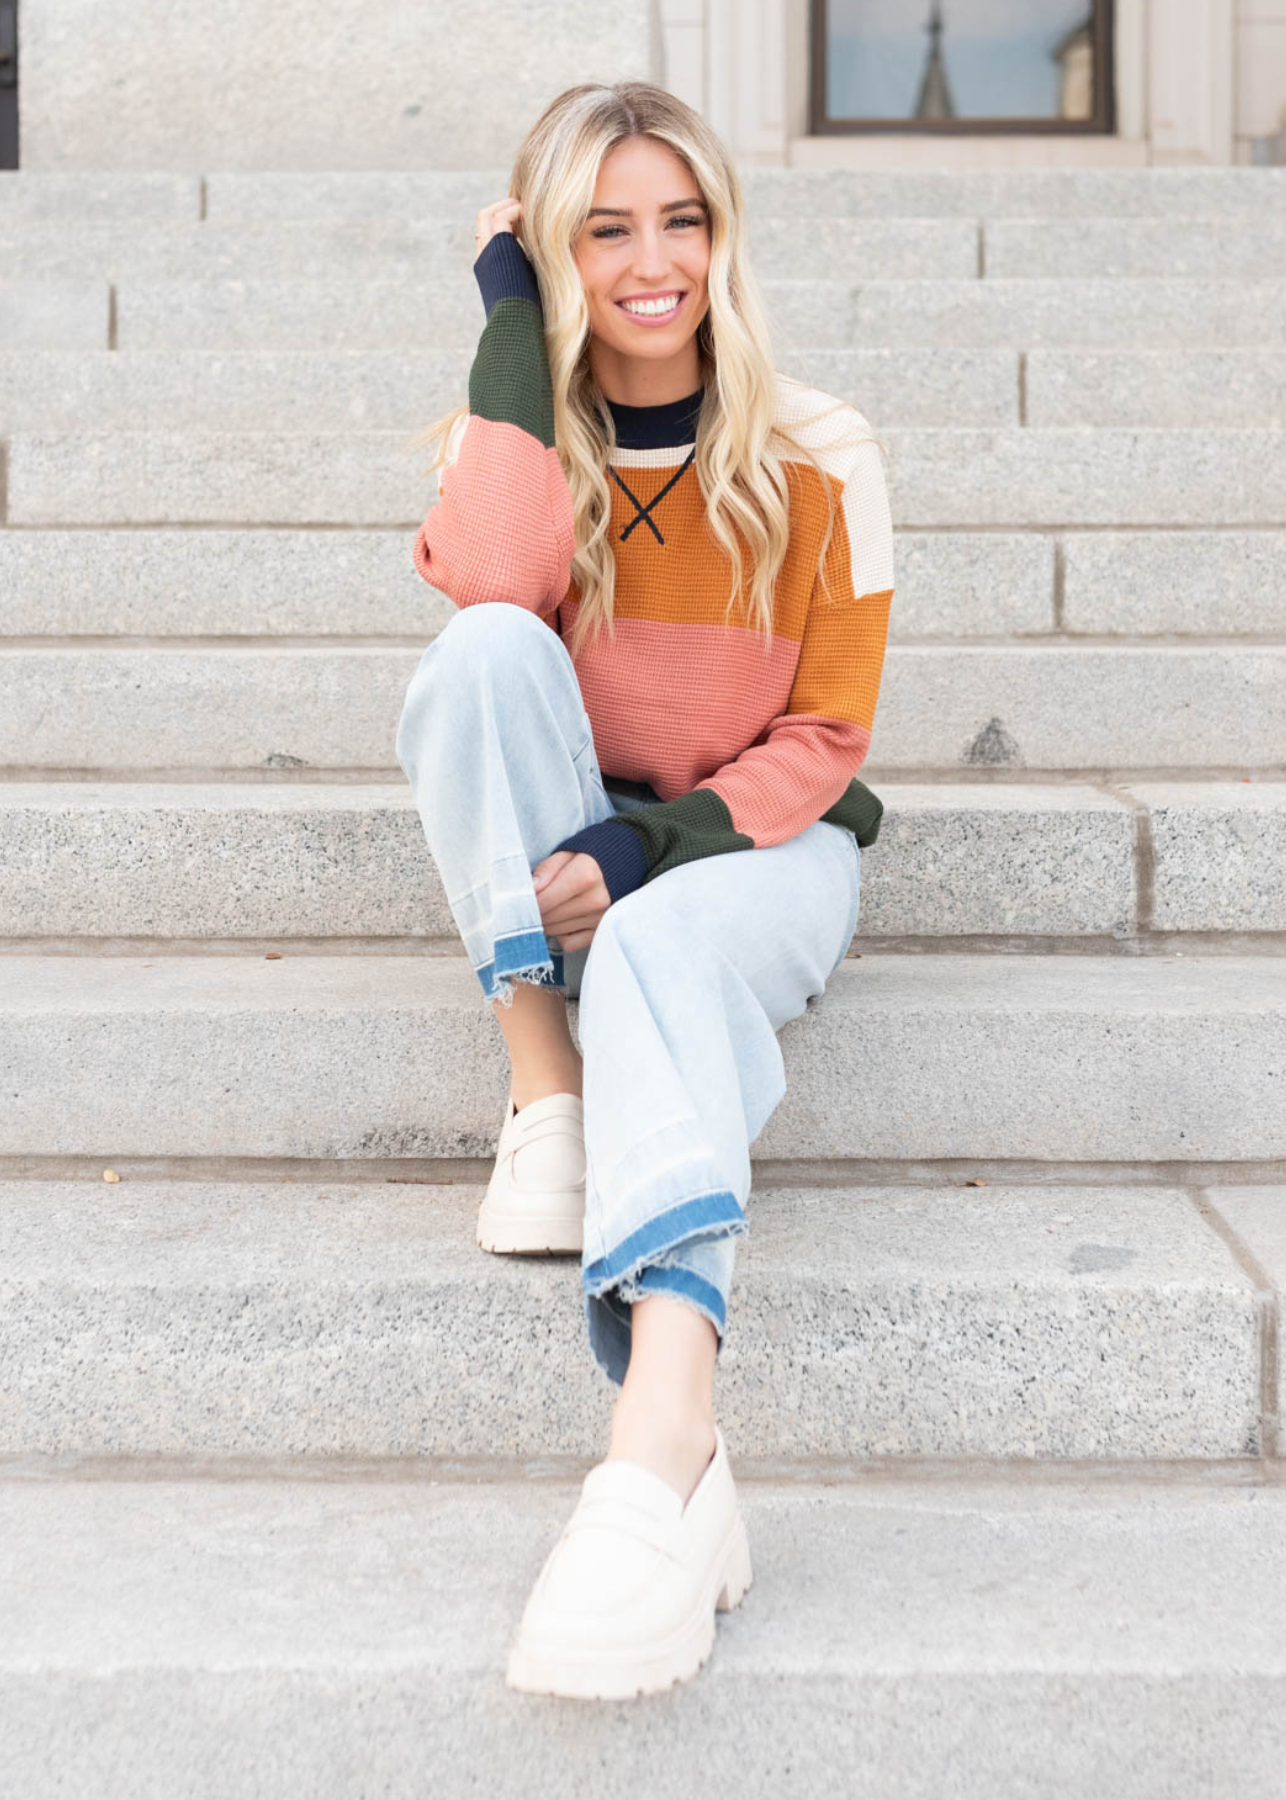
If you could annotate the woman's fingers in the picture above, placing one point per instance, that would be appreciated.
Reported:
(504, 215)
(572, 918)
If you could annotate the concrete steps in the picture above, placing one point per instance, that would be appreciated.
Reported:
(1193, 248)
(260, 312)
(1066, 706)
(251, 390)
(281, 1450)
(265, 583)
(1167, 1058)
(324, 860)
(360, 1318)
(244, 196)
(966, 478)
(322, 1633)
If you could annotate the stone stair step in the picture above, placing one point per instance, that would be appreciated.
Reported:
(1167, 1058)
(901, 1636)
(286, 861)
(1190, 247)
(229, 581)
(302, 390)
(968, 477)
(362, 1319)
(943, 707)
(1126, 581)
(246, 390)
(243, 195)
(804, 313)
(1155, 387)
(54, 315)
(441, 249)
(48, 391)
(259, 314)
(226, 197)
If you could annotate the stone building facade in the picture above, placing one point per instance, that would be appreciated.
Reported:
(406, 84)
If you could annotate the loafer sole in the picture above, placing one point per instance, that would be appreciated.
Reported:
(517, 1219)
(532, 1234)
(644, 1669)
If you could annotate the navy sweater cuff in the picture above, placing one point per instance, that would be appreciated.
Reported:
(619, 852)
(504, 271)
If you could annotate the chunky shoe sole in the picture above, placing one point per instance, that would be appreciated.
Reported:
(540, 1216)
(532, 1670)
(532, 1235)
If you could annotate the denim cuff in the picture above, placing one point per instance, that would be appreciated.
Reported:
(505, 272)
(619, 852)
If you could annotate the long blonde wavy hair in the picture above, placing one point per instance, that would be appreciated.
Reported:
(742, 457)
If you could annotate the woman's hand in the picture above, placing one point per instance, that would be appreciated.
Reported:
(505, 215)
(573, 896)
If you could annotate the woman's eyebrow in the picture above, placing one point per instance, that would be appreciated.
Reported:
(626, 212)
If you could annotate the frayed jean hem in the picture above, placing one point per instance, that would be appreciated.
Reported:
(523, 956)
(649, 1261)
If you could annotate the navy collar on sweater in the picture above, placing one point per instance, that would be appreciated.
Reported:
(657, 427)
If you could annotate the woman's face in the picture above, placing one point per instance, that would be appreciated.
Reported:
(638, 241)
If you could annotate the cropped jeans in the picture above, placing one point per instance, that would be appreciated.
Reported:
(680, 992)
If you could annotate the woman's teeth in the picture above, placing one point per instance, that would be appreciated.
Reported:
(652, 308)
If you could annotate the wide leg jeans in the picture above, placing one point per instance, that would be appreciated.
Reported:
(680, 993)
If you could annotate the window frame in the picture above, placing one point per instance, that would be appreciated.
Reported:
(1101, 123)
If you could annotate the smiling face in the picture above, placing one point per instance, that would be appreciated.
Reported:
(647, 234)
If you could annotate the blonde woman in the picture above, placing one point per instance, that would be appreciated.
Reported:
(633, 749)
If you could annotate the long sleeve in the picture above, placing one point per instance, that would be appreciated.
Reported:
(802, 768)
(503, 527)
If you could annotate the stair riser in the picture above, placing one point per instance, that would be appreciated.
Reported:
(183, 583)
(942, 707)
(284, 862)
(1060, 1059)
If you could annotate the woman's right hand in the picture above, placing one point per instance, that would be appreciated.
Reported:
(505, 215)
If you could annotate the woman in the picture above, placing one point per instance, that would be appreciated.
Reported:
(673, 570)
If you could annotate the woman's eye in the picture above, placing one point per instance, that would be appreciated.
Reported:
(680, 219)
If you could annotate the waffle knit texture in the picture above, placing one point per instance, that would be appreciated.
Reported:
(744, 747)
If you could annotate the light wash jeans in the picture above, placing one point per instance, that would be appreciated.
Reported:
(681, 990)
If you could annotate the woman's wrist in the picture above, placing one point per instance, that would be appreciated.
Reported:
(504, 271)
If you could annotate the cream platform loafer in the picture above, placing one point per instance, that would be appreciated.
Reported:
(625, 1603)
(536, 1197)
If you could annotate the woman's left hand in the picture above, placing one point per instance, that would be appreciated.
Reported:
(573, 896)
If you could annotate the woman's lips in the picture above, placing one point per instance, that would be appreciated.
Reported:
(665, 318)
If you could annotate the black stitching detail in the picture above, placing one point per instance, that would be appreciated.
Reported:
(644, 512)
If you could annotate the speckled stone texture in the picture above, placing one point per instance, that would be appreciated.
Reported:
(240, 86)
(156, 1316)
(381, 389)
(333, 1637)
(1090, 313)
(46, 198)
(1016, 193)
(332, 860)
(937, 477)
(942, 707)
(970, 584)
(54, 315)
(1165, 1057)
(1120, 582)
(1258, 1216)
(1219, 855)
(1191, 248)
(263, 583)
(181, 583)
(1157, 387)
(221, 582)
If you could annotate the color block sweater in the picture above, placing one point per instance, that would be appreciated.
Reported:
(745, 749)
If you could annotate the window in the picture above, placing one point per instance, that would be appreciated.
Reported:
(961, 66)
